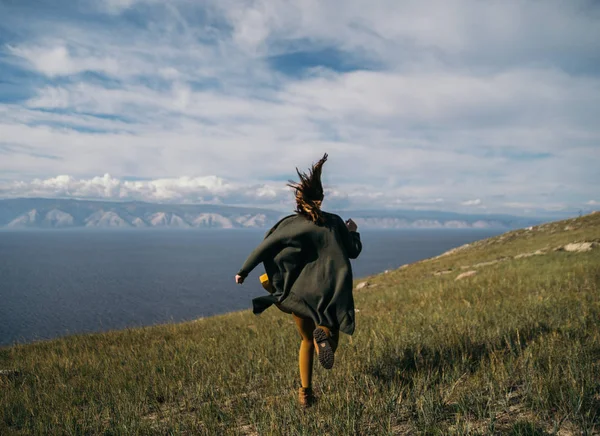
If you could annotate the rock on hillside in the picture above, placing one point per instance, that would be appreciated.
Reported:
(579, 247)
(466, 274)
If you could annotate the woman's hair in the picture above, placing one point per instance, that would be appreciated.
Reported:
(309, 192)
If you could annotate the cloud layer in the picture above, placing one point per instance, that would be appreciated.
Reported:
(459, 105)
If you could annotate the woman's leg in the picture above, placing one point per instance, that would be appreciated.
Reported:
(305, 327)
(333, 336)
(326, 342)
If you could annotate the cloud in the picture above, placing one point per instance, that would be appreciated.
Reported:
(57, 61)
(414, 32)
(475, 202)
(119, 6)
(218, 190)
(592, 203)
(416, 103)
(209, 189)
(182, 190)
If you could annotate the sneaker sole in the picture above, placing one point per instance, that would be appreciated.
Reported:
(324, 350)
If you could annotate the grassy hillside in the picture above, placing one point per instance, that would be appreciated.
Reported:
(513, 348)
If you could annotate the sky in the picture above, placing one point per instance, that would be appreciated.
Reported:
(467, 106)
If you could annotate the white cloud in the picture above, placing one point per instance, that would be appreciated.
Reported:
(57, 61)
(208, 189)
(119, 6)
(183, 189)
(516, 31)
(593, 203)
(456, 95)
(218, 190)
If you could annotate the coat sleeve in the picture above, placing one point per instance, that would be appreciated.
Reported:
(276, 238)
(351, 240)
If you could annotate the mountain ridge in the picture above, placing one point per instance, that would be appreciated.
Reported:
(46, 213)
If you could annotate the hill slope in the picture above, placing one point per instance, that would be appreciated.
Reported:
(512, 348)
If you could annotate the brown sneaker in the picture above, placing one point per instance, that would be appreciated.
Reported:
(306, 397)
(325, 351)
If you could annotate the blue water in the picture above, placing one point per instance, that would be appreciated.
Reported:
(54, 283)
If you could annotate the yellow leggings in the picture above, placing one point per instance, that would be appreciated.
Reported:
(306, 326)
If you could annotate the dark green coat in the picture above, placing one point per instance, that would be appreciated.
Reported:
(309, 268)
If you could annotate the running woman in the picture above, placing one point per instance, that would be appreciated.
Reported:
(306, 257)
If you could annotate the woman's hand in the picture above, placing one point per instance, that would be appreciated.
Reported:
(351, 225)
(239, 279)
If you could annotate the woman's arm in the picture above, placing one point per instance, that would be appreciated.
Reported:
(276, 237)
(351, 239)
(260, 253)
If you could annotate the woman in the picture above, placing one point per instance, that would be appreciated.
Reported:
(306, 258)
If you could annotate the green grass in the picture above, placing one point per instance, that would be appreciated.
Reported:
(514, 349)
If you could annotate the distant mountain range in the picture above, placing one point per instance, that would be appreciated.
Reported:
(38, 213)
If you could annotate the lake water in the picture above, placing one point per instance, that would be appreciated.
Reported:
(54, 283)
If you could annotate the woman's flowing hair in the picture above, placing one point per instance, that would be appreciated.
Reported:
(309, 192)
